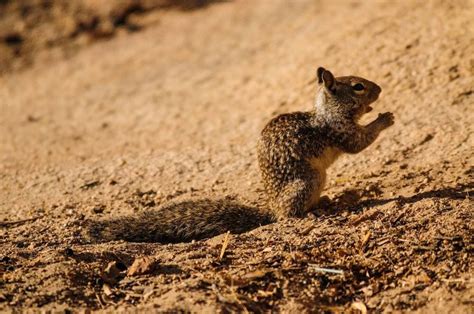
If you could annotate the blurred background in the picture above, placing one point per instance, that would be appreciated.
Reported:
(28, 27)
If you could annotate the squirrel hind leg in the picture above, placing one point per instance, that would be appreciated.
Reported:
(295, 198)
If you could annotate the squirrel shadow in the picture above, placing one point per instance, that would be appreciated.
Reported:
(205, 218)
(349, 200)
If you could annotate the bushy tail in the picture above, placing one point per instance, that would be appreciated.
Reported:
(180, 222)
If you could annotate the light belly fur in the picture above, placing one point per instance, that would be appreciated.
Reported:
(319, 165)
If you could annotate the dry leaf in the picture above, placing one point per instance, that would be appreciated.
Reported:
(142, 265)
(256, 274)
(107, 290)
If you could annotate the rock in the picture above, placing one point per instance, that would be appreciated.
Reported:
(142, 265)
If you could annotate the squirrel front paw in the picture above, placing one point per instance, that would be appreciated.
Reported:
(385, 119)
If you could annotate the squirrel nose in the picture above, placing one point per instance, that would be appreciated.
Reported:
(378, 89)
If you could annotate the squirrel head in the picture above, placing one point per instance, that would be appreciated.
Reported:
(346, 96)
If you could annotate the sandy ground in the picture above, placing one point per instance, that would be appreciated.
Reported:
(173, 112)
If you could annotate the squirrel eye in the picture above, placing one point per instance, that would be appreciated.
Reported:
(358, 87)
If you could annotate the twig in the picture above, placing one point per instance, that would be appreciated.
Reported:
(416, 245)
(327, 270)
(224, 245)
(365, 240)
(398, 218)
(370, 214)
(448, 238)
(100, 301)
(89, 185)
(21, 221)
(406, 241)
(423, 248)
(459, 280)
(308, 230)
(382, 242)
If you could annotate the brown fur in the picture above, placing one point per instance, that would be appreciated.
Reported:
(294, 152)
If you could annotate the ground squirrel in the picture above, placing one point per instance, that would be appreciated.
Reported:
(294, 151)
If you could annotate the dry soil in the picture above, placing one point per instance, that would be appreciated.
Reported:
(173, 110)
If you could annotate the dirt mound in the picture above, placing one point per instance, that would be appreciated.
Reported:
(173, 112)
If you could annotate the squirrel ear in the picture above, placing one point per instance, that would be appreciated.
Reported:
(319, 74)
(326, 77)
